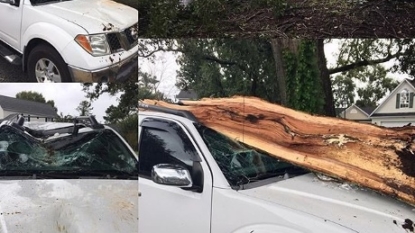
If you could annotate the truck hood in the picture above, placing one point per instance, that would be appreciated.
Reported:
(71, 206)
(95, 16)
(356, 208)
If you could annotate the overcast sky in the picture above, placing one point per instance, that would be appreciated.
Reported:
(166, 67)
(66, 96)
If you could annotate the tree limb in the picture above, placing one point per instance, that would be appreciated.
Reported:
(363, 63)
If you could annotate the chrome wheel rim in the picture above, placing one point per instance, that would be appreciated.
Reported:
(47, 72)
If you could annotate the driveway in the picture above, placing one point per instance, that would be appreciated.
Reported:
(11, 73)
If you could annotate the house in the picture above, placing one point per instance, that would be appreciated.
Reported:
(31, 110)
(187, 95)
(396, 110)
(356, 113)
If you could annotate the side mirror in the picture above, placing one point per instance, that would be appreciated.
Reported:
(171, 174)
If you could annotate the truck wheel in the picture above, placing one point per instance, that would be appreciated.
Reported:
(44, 64)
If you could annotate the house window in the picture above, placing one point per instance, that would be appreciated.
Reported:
(404, 99)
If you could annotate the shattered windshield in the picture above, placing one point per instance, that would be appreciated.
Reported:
(242, 164)
(88, 153)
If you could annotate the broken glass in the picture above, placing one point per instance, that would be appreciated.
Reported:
(242, 164)
(95, 152)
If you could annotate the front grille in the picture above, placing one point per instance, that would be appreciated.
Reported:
(123, 40)
(114, 42)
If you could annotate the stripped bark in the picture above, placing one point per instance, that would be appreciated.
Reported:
(368, 155)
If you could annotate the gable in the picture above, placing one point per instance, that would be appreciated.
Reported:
(354, 113)
(400, 100)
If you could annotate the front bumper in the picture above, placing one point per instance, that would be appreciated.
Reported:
(116, 72)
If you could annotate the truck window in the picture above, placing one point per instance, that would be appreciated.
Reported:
(165, 144)
(242, 164)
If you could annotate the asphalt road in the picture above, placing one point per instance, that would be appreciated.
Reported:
(11, 73)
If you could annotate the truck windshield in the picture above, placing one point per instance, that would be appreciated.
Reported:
(94, 153)
(242, 164)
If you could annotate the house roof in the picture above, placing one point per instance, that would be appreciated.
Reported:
(27, 107)
(187, 94)
(367, 110)
(408, 81)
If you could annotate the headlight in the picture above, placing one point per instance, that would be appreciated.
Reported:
(96, 45)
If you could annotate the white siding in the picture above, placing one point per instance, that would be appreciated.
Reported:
(33, 118)
(393, 121)
(389, 106)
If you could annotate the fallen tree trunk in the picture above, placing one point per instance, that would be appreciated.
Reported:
(368, 155)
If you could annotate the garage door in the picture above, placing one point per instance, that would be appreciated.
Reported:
(395, 123)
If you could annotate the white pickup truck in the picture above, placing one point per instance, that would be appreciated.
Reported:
(193, 179)
(70, 40)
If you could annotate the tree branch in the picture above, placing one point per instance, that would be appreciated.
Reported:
(223, 62)
(370, 62)
(363, 63)
(159, 50)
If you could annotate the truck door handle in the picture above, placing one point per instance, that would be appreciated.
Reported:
(139, 194)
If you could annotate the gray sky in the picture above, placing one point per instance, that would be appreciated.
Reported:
(66, 96)
(166, 67)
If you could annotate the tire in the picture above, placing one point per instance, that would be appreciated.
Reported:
(40, 58)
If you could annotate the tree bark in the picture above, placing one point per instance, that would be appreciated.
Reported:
(378, 158)
(325, 80)
(279, 67)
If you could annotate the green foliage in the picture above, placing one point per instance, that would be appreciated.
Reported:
(277, 6)
(223, 68)
(84, 108)
(31, 95)
(127, 104)
(128, 130)
(171, 18)
(220, 67)
(366, 85)
(226, 67)
(147, 87)
(304, 87)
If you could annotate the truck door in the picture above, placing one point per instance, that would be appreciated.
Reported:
(11, 18)
(166, 209)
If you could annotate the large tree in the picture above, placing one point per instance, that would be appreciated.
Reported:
(276, 18)
(127, 101)
(121, 115)
(279, 69)
(84, 108)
